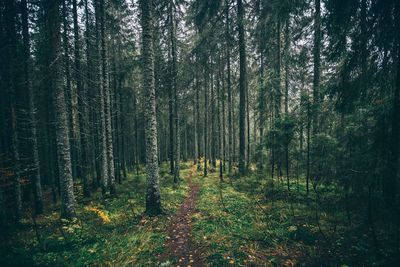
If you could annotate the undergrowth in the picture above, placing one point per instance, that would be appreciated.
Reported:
(110, 231)
(243, 221)
(255, 221)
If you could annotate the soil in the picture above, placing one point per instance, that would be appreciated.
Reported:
(180, 244)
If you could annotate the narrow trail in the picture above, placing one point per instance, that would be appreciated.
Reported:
(179, 243)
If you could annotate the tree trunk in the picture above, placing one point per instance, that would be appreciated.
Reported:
(185, 155)
(12, 84)
(60, 114)
(136, 149)
(229, 89)
(242, 88)
(107, 103)
(114, 106)
(174, 77)
(205, 116)
(219, 99)
(91, 87)
(308, 143)
(68, 89)
(213, 135)
(84, 164)
(198, 123)
(317, 65)
(49, 148)
(391, 183)
(153, 200)
(195, 122)
(301, 135)
(248, 152)
(278, 98)
(36, 180)
(261, 113)
(223, 116)
(101, 99)
(171, 121)
(287, 46)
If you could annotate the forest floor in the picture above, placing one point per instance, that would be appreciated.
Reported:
(179, 243)
(241, 221)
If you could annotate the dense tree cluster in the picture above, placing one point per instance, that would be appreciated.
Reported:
(293, 90)
(66, 100)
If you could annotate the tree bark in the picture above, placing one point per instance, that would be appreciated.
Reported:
(153, 200)
(317, 65)
(91, 100)
(196, 141)
(219, 100)
(198, 124)
(174, 83)
(223, 116)
(205, 116)
(261, 113)
(229, 89)
(278, 97)
(84, 164)
(308, 143)
(69, 94)
(101, 99)
(287, 46)
(242, 88)
(213, 135)
(392, 183)
(12, 84)
(107, 103)
(60, 114)
(36, 179)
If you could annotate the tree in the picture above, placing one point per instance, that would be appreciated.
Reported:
(395, 143)
(317, 64)
(231, 150)
(213, 144)
(12, 83)
(242, 88)
(197, 121)
(101, 96)
(60, 114)
(174, 89)
(36, 181)
(107, 103)
(205, 134)
(153, 201)
(81, 104)
(69, 89)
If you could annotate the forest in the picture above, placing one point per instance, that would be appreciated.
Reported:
(199, 133)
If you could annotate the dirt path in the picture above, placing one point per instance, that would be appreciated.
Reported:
(180, 243)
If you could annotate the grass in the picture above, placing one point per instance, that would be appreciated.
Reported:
(107, 232)
(236, 231)
(243, 221)
(254, 221)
